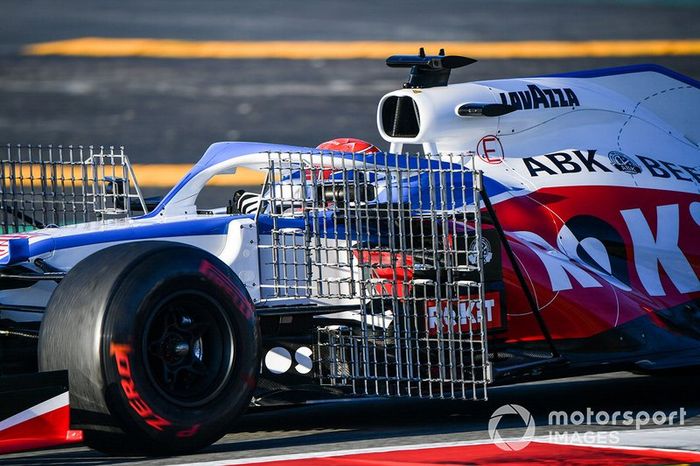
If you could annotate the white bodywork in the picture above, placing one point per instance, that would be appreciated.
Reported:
(634, 113)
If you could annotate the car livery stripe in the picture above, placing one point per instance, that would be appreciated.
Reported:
(192, 227)
(54, 403)
(43, 425)
(617, 70)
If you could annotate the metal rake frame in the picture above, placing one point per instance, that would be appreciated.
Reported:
(61, 185)
(399, 239)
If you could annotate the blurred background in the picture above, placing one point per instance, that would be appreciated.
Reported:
(122, 91)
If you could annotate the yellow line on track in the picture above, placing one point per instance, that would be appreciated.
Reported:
(167, 176)
(331, 50)
(147, 175)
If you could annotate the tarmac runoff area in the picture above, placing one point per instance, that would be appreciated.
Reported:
(280, 90)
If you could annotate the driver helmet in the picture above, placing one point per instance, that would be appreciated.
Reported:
(349, 145)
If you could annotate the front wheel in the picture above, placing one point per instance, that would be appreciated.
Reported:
(161, 346)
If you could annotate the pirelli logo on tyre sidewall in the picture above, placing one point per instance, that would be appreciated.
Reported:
(120, 353)
(210, 271)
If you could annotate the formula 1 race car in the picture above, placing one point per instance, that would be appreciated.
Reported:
(546, 230)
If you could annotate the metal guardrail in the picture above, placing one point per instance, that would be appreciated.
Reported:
(400, 237)
(42, 186)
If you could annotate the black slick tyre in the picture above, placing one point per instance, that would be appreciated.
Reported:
(161, 345)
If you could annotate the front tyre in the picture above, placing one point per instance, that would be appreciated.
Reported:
(161, 346)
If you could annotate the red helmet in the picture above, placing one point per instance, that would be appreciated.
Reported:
(349, 145)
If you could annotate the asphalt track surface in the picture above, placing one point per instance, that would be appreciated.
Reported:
(381, 423)
(169, 111)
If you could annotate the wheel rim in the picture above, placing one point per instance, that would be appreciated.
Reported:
(188, 348)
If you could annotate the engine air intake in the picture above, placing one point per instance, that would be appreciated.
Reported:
(400, 117)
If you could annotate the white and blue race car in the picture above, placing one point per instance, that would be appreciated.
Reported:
(548, 229)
